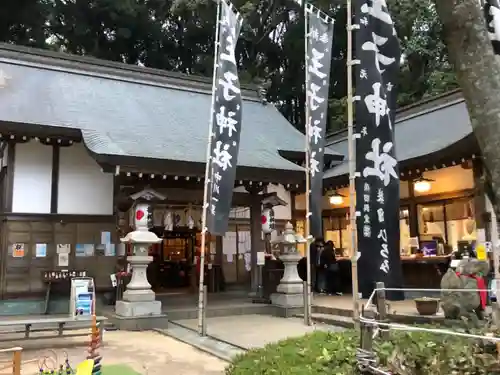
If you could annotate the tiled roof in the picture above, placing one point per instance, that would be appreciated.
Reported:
(419, 133)
(131, 111)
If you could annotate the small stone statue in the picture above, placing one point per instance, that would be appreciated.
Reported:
(464, 305)
(190, 222)
(168, 222)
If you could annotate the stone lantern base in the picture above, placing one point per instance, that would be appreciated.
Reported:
(290, 291)
(287, 300)
(139, 301)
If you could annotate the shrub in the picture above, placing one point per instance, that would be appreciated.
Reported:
(405, 353)
(419, 353)
(309, 354)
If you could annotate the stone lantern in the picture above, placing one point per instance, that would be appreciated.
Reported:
(139, 300)
(290, 291)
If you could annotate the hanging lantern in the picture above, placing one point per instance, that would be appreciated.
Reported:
(143, 217)
(336, 199)
(422, 185)
(267, 220)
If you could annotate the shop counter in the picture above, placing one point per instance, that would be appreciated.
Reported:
(418, 272)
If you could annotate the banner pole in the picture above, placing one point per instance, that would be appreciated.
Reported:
(352, 168)
(308, 301)
(201, 296)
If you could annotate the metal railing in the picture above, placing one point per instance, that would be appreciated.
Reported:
(371, 327)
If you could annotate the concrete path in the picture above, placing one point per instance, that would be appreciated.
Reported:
(254, 331)
(148, 353)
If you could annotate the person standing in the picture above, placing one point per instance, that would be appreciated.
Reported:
(331, 269)
(317, 272)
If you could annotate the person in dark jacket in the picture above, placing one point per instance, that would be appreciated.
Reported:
(317, 272)
(330, 268)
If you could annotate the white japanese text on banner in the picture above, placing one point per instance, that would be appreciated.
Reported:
(226, 128)
(318, 58)
(377, 187)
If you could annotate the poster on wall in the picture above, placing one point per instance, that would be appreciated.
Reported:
(89, 249)
(110, 250)
(63, 248)
(105, 238)
(63, 260)
(80, 250)
(41, 250)
(82, 297)
(18, 250)
(229, 246)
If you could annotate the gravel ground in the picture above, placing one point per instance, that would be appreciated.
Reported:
(148, 353)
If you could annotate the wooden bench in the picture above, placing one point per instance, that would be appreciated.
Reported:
(27, 326)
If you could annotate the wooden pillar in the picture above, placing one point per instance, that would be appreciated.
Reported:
(293, 214)
(218, 251)
(8, 193)
(255, 235)
(482, 216)
(9, 183)
(412, 210)
(56, 156)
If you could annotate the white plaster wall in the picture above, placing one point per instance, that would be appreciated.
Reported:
(32, 178)
(281, 212)
(83, 188)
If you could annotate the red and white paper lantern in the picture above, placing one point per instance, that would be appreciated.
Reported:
(267, 220)
(142, 217)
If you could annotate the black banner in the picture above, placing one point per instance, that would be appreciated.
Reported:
(226, 128)
(318, 58)
(377, 182)
(492, 14)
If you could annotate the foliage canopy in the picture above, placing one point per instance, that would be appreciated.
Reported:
(178, 35)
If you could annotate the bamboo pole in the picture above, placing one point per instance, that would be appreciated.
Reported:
(16, 363)
(201, 295)
(352, 167)
(496, 265)
(308, 301)
(95, 341)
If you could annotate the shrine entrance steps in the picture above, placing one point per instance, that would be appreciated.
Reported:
(338, 311)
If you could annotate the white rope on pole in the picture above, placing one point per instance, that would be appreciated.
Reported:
(404, 327)
(308, 301)
(309, 8)
(378, 371)
(370, 300)
(201, 297)
(352, 166)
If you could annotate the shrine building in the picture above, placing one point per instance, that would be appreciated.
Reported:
(443, 206)
(83, 139)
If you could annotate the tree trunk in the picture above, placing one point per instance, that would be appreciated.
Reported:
(478, 73)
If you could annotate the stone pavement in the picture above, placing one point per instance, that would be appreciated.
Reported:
(254, 331)
(148, 353)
